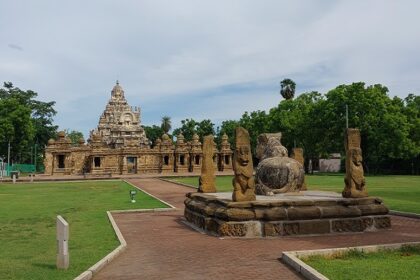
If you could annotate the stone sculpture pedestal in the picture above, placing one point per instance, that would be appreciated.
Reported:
(309, 212)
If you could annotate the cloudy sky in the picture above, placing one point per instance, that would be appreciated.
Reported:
(202, 59)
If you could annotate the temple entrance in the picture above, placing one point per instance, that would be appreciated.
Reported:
(132, 165)
(61, 159)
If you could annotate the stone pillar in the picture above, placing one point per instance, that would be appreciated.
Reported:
(355, 179)
(297, 154)
(62, 243)
(207, 179)
(14, 178)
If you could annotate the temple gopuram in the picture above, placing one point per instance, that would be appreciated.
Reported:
(119, 145)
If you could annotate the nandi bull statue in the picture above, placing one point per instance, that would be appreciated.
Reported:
(276, 172)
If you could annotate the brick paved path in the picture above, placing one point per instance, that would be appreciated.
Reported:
(160, 246)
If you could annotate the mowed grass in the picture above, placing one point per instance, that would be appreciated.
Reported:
(386, 264)
(401, 193)
(28, 225)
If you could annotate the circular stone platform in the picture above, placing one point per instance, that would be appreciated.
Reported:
(306, 212)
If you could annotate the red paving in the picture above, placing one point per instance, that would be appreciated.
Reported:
(160, 246)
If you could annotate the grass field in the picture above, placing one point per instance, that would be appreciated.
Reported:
(400, 193)
(386, 264)
(27, 225)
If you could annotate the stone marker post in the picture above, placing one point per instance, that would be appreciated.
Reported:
(14, 178)
(62, 243)
(31, 176)
(207, 181)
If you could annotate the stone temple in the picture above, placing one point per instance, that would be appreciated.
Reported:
(119, 145)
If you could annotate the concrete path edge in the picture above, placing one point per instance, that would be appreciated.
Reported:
(292, 258)
(91, 271)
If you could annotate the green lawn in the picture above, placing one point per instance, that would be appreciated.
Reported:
(27, 225)
(386, 264)
(400, 193)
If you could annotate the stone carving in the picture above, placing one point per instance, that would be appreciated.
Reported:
(355, 179)
(276, 173)
(297, 155)
(243, 182)
(207, 178)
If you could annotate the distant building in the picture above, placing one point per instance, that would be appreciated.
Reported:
(331, 164)
(119, 145)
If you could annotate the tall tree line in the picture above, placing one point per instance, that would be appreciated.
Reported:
(25, 122)
(390, 127)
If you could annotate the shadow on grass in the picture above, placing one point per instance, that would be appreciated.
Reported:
(44, 265)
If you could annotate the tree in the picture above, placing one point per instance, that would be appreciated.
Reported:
(384, 128)
(188, 129)
(287, 89)
(204, 128)
(153, 132)
(166, 124)
(26, 122)
(74, 136)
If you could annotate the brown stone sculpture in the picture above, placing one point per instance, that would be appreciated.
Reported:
(354, 180)
(243, 182)
(276, 173)
(207, 179)
(297, 154)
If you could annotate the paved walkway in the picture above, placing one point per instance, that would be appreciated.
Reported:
(160, 246)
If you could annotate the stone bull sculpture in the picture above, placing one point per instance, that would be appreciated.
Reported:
(276, 172)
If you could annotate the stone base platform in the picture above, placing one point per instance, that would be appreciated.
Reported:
(303, 213)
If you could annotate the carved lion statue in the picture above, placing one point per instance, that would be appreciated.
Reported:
(276, 172)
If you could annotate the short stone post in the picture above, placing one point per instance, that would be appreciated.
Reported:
(14, 178)
(31, 177)
(62, 243)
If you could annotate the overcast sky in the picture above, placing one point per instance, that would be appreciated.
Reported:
(202, 59)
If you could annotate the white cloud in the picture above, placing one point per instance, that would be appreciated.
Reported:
(72, 52)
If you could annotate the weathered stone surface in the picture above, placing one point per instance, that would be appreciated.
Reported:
(290, 229)
(240, 214)
(297, 154)
(207, 182)
(347, 225)
(243, 182)
(382, 222)
(303, 213)
(373, 209)
(194, 218)
(339, 211)
(314, 227)
(271, 214)
(354, 180)
(233, 229)
(272, 229)
(276, 173)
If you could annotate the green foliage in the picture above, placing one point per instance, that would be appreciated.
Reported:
(390, 127)
(166, 124)
(288, 88)
(74, 136)
(153, 132)
(27, 218)
(25, 122)
(384, 264)
(190, 126)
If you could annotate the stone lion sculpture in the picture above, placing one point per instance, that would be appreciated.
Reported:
(276, 172)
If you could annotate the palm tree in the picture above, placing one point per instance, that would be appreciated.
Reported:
(166, 124)
(287, 89)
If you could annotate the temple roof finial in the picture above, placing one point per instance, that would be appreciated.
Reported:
(118, 82)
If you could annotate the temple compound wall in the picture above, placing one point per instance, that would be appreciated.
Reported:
(119, 145)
